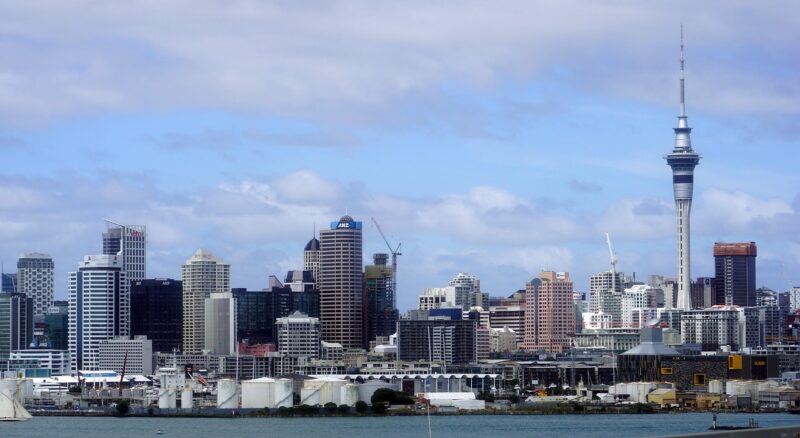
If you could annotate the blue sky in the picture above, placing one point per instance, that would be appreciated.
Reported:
(493, 138)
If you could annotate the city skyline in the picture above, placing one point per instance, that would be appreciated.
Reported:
(489, 142)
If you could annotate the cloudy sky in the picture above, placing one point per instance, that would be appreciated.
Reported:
(497, 138)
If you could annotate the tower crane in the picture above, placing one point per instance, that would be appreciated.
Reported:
(395, 252)
(613, 264)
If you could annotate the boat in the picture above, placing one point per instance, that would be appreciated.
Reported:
(11, 409)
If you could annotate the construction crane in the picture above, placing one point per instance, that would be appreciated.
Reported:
(613, 264)
(395, 252)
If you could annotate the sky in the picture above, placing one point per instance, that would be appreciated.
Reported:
(495, 138)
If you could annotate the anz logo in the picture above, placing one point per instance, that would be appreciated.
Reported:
(343, 225)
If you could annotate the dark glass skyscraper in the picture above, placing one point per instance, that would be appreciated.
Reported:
(735, 273)
(380, 314)
(157, 312)
(16, 323)
(256, 311)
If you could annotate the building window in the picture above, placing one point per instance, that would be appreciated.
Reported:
(666, 371)
(699, 379)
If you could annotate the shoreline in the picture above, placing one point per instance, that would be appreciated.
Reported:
(295, 413)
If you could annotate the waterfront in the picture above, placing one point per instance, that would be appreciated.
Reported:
(461, 426)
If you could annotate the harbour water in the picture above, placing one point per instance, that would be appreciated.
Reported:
(463, 426)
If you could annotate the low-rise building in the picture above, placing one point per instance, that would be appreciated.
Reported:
(136, 355)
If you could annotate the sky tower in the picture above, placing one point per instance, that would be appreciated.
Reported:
(683, 160)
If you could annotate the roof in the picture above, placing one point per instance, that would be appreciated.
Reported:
(449, 395)
(651, 349)
(312, 245)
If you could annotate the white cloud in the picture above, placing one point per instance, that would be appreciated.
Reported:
(351, 60)
(720, 210)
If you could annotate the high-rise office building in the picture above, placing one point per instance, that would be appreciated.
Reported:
(340, 283)
(381, 315)
(9, 283)
(703, 294)
(220, 324)
(35, 279)
(683, 160)
(605, 295)
(468, 291)
(99, 308)
(255, 318)
(56, 322)
(298, 335)
(256, 311)
(311, 259)
(735, 273)
(443, 341)
(131, 242)
(157, 312)
(16, 323)
(549, 324)
(202, 275)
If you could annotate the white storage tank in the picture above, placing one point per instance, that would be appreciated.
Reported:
(321, 391)
(187, 397)
(284, 393)
(715, 387)
(348, 395)
(227, 397)
(166, 398)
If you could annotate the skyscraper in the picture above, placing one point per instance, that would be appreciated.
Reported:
(157, 312)
(735, 273)
(16, 323)
(99, 308)
(311, 259)
(340, 283)
(605, 295)
(202, 275)
(220, 324)
(35, 279)
(381, 315)
(549, 324)
(683, 160)
(131, 242)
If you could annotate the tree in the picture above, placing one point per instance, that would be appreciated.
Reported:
(361, 407)
(123, 406)
(383, 395)
(379, 408)
(330, 407)
(485, 396)
(513, 398)
(343, 409)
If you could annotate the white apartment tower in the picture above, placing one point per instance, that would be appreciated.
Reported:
(99, 308)
(129, 241)
(35, 279)
(202, 275)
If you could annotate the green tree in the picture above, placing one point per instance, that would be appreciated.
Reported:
(384, 395)
(379, 408)
(123, 406)
(361, 407)
(330, 407)
(343, 409)
(485, 396)
(513, 398)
